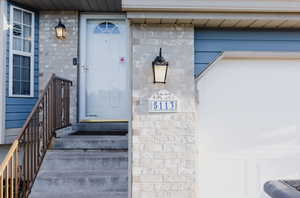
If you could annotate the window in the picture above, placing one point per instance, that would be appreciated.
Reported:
(21, 68)
(107, 28)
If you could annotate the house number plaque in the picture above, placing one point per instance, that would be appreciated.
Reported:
(163, 102)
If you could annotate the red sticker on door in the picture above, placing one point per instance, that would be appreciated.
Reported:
(122, 60)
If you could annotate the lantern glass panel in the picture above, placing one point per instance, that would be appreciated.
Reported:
(160, 72)
(60, 32)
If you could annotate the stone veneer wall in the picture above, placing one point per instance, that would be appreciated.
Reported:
(56, 56)
(163, 145)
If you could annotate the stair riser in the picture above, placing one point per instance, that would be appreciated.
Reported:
(89, 144)
(96, 184)
(83, 166)
(102, 127)
(86, 164)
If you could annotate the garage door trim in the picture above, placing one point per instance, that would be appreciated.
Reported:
(251, 55)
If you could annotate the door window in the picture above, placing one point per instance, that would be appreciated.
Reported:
(107, 28)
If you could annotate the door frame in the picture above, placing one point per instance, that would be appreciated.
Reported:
(84, 17)
(3, 39)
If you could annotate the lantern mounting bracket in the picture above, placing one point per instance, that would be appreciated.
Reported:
(159, 60)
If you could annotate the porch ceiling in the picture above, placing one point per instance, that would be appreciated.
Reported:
(220, 20)
(80, 5)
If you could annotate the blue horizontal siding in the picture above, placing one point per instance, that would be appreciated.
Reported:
(209, 44)
(206, 57)
(12, 109)
(199, 68)
(17, 108)
(21, 101)
(226, 45)
(17, 116)
(15, 123)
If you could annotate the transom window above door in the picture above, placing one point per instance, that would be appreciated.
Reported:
(107, 28)
(21, 64)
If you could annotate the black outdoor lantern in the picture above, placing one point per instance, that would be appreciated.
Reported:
(60, 31)
(160, 69)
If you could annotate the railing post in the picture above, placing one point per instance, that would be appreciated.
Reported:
(54, 110)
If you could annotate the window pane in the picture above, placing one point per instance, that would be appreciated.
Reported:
(17, 15)
(27, 18)
(27, 32)
(17, 44)
(16, 73)
(16, 67)
(16, 87)
(116, 31)
(21, 75)
(26, 62)
(110, 25)
(16, 61)
(25, 88)
(26, 46)
(25, 75)
(17, 30)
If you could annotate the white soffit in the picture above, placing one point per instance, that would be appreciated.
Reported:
(78, 5)
(219, 20)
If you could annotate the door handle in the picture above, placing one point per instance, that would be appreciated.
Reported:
(84, 68)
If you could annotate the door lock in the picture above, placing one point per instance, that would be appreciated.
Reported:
(84, 67)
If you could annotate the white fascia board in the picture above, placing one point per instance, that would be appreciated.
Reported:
(199, 16)
(214, 6)
(282, 55)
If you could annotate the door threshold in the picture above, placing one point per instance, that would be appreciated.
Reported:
(103, 121)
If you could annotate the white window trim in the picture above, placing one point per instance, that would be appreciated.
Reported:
(12, 51)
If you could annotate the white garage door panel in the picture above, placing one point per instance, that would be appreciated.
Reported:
(232, 172)
(249, 116)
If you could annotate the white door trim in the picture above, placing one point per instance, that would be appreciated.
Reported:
(3, 31)
(83, 60)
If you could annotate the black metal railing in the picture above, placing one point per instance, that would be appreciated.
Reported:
(21, 165)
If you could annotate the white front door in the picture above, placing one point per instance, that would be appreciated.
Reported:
(104, 81)
(249, 126)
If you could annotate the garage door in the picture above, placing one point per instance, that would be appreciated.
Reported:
(249, 118)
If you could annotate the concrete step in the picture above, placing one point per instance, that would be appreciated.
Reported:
(116, 133)
(84, 160)
(116, 127)
(78, 195)
(81, 181)
(82, 166)
(91, 142)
